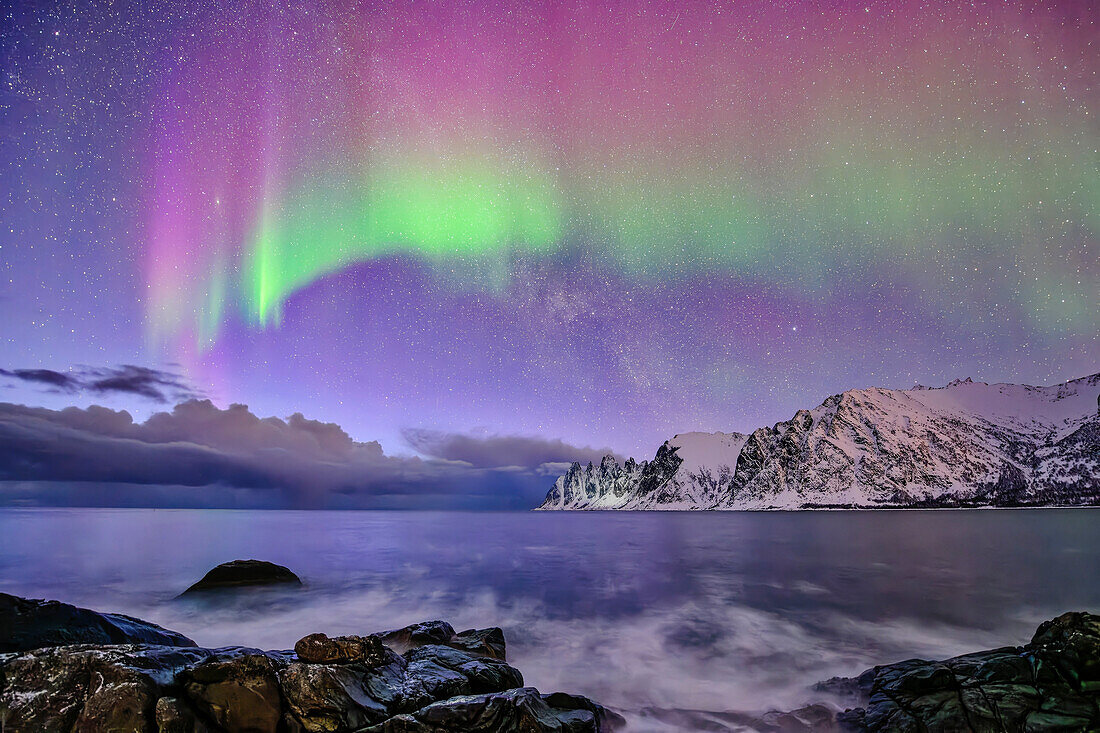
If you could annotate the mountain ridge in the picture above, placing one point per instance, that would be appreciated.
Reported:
(964, 444)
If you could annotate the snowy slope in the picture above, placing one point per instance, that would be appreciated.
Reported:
(966, 444)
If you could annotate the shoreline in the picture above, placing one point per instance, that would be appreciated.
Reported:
(427, 678)
(540, 510)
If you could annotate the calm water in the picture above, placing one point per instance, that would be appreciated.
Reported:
(715, 611)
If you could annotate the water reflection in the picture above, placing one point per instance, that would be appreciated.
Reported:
(712, 611)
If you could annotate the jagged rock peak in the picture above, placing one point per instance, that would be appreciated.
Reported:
(966, 444)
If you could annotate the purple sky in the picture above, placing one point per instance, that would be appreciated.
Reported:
(736, 213)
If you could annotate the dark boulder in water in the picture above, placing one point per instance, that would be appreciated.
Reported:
(32, 624)
(240, 573)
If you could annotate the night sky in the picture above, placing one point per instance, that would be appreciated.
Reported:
(600, 222)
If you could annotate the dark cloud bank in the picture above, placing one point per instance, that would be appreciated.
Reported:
(514, 450)
(198, 455)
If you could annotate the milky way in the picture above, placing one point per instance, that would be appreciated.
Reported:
(603, 221)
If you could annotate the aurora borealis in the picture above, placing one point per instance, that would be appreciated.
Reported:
(605, 222)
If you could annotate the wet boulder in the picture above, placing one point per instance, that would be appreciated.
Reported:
(88, 688)
(522, 709)
(32, 624)
(435, 672)
(488, 642)
(172, 715)
(327, 685)
(1048, 684)
(815, 718)
(333, 697)
(1071, 643)
(433, 666)
(237, 688)
(575, 705)
(416, 635)
(485, 642)
(322, 649)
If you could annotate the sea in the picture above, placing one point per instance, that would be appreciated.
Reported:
(741, 611)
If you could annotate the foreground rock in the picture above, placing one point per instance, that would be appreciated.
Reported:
(483, 642)
(810, 719)
(1050, 684)
(427, 678)
(239, 573)
(31, 624)
(320, 649)
(331, 684)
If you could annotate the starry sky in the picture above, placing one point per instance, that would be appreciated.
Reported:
(604, 222)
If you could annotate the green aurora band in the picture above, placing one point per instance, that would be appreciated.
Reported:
(775, 145)
(861, 200)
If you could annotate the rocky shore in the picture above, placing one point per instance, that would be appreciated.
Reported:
(70, 669)
(1051, 684)
(135, 676)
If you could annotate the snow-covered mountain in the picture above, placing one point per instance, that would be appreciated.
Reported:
(966, 444)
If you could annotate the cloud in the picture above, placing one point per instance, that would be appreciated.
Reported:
(200, 455)
(498, 451)
(153, 384)
(49, 377)
(142, 381)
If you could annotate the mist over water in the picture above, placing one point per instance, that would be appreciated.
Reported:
(714, 611)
